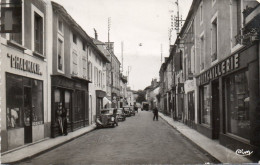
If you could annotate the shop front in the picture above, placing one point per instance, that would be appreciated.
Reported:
(189, 87)
(70, 101)
(229, 98)
(23, 103)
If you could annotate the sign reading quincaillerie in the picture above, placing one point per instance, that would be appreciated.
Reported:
(24, 65)
(221, 68)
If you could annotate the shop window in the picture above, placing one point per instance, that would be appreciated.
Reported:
(38, 33)
(37, 102)
(14, 101)
(24, 101)
(237, 104)
(67, 105)
(205, 104)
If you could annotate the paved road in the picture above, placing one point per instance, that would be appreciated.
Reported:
(138, 140)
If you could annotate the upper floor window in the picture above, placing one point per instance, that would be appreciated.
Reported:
(90, 71)
(60, 26)
(89, 52)
(60, 55)
(201, 13)
(236, 21)
(84, 61)
(214, 40)
(75, 63)
(12, 21)
(38, 33)
(83, 46)
(202, 52)
(74, 37)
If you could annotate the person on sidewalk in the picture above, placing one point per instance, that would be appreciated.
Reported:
(65, 121)
(155, 113)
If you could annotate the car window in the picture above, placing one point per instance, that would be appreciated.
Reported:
(105, 112)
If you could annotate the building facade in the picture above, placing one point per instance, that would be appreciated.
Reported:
(24, 74)
(218, 50)
(98, 77)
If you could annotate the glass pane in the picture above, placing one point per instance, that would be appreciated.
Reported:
(57, 95)
(205, 104)
(68, 104)
(238, 104)
(37, 102)
(14, 96)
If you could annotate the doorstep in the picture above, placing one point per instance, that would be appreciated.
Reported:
(218, 151)
(33, 149)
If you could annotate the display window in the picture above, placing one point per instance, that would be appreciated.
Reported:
(237, 104)
(205, 96)
(24, 101)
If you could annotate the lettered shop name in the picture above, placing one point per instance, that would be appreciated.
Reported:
(221, 68)
(24, 65)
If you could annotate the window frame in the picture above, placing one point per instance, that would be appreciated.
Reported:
(34, 10)
(63, 66)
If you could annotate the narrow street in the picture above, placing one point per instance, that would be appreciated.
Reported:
(138, 140)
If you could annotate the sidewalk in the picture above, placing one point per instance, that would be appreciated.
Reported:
(221, 153)
(39, 147)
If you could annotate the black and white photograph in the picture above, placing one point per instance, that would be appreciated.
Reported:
(129, 82)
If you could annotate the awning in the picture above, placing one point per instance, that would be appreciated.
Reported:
(106, 101)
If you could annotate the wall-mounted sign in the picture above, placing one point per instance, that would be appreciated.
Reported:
(24, 65)
(221, 68)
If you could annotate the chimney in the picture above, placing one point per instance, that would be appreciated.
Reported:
(96, 35)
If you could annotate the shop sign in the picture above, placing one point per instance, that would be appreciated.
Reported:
(24, 65)
(221, 68)
(189, 86)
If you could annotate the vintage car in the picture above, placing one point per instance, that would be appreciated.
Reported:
(120, 114)
(107, 118)
(127, 111)
(130, 110)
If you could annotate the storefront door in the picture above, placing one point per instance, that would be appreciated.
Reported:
(191, 109)
(215, 109)
(27, 115)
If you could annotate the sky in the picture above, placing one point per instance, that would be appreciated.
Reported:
(132, 22)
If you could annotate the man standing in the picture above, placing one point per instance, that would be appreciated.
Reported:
(155, 113)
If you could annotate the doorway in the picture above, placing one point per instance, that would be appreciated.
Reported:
(28, 115)
(215, 110)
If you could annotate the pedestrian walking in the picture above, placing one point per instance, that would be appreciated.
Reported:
(155, 113)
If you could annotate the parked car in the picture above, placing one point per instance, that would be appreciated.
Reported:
(130, 110)
(107, 118)
(127, 111)
(120, 114)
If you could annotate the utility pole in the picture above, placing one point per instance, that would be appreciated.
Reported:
(122, 53)
(161, 54)
(178, 19)
(111, 58)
